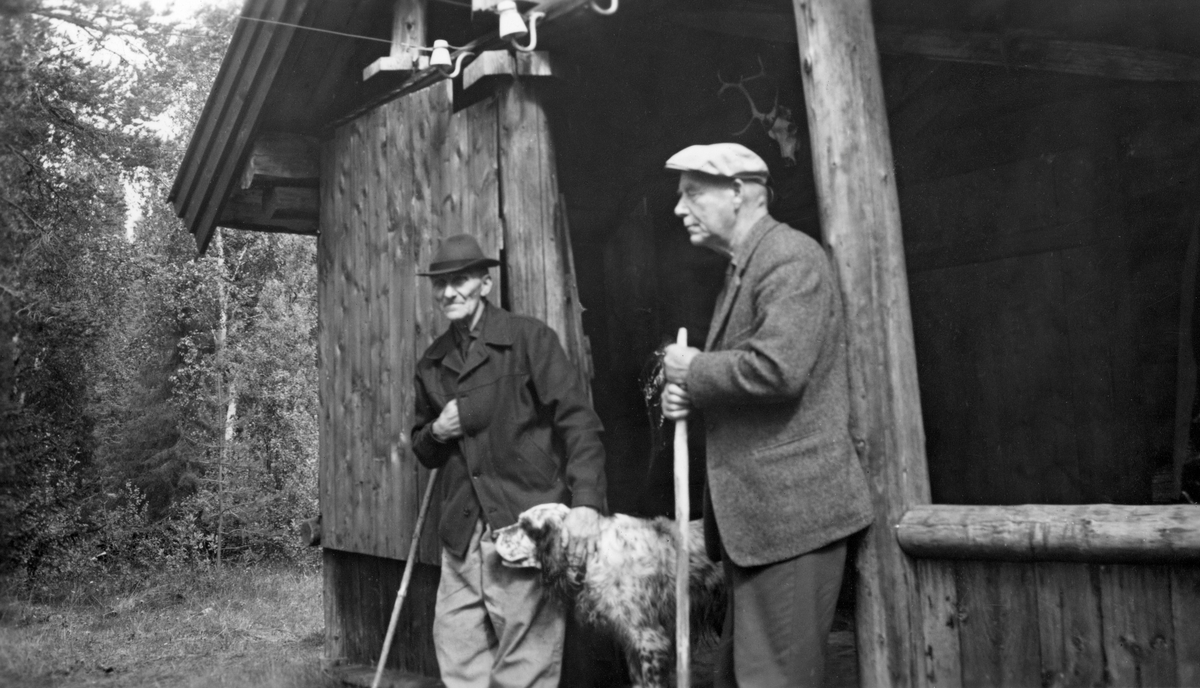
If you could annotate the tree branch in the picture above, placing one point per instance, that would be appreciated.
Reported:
(24, 212)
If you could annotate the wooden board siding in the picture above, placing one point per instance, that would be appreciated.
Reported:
(394, 182)
(998, 636)
(1064, 624)
(359, 593)
(1139, 643)
(941, 619)
(1069, 624)
(1185, 610)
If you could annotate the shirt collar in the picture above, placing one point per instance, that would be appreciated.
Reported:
(474, 332)
(493, 328)
(742, 251)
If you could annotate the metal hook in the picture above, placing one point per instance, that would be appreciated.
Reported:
(612, 9)
(533, 19)
(458, 64)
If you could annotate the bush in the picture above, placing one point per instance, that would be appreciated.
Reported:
(99, 547)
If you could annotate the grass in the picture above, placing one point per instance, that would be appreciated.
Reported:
(240, 627)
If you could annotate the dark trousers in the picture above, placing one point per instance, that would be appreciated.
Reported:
(778, 620)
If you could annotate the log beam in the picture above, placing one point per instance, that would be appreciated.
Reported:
(279, 159)
(1008, 50)
(1092, 533)
(310, 532)
(860, 222)
(1041, 54)
(280, 209)
(285, 202)
(496, 66)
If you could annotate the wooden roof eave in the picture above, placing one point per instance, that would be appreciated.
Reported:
(211, 167)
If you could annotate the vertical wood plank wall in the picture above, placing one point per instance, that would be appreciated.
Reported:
(394, 182)
(1062, 624)
(385, 203)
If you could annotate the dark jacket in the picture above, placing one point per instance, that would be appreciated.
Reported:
(529, 434)
(783, 476)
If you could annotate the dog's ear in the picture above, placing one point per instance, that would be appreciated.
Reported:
(544, 528)
(543, 520)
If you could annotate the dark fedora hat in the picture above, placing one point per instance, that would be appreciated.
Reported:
(458, 252)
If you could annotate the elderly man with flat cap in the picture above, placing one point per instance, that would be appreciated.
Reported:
(784, 488)
(502, 411)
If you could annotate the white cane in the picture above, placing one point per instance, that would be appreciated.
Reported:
(408, 568)
(682, 514)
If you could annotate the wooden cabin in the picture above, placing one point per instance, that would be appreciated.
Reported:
(1005, 187)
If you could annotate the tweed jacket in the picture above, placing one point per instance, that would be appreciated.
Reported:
(783, 478)
(529, 434)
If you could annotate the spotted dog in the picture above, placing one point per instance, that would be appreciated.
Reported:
(626, 583)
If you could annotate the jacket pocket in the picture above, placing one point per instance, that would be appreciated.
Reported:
(532, 457)
(782, 448)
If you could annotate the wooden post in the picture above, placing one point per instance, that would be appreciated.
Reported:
(528, 204)
(1185, 378)
(860, 221)
(408, 32)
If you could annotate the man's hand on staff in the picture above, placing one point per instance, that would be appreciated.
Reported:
(677, 359)
(676, 404)
(447, 427)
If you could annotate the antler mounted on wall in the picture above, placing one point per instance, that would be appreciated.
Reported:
(778, 121)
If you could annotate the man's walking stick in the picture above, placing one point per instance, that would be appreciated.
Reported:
(682, 515)
(408, 568)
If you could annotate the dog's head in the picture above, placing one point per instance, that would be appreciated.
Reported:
(518, 544)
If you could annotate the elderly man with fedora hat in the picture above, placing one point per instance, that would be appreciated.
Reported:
(784, 488)
(502, 411)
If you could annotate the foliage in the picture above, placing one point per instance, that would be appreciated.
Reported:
(122, 353)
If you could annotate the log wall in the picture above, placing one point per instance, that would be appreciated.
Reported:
(381, 218)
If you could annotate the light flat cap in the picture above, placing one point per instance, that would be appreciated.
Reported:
(721, 160)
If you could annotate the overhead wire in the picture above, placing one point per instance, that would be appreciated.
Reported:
(342, 33)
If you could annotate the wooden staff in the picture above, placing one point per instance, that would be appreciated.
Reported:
(682, 514)
(408, 568)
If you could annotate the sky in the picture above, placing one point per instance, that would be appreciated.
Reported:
(182, 8)
(175, 10)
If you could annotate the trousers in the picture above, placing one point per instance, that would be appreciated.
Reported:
(778, 619)
(493, 626)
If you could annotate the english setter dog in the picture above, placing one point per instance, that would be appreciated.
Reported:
(626, 584)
